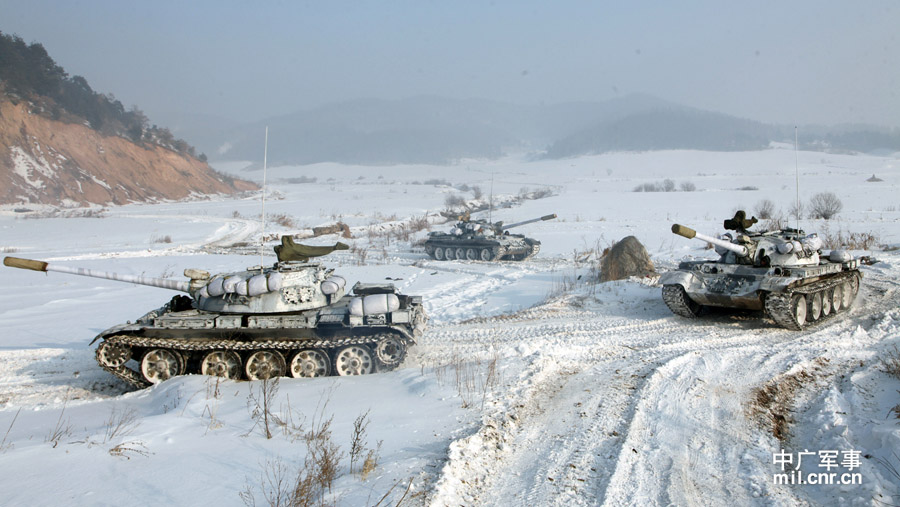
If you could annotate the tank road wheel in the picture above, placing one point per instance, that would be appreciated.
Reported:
(310, 363)
(264, 364)
(471, 254)
(679, 302)
(430, 251)
(837, 298)
(222, 363)
(161, 364)
(847, 295)
(798, 310)
(827, 299)
(814, 306)
(449, 253)
(113, 355)
(486, 254)
(439, 253)
(390, 352)
(354, 360)
(460, 253)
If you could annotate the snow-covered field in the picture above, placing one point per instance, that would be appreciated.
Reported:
(532, 385)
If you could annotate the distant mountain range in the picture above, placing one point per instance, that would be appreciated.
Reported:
(438, 130)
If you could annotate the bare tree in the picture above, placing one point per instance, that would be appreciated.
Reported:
(765, 209)
(825, 205)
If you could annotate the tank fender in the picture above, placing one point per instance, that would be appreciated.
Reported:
(776, 284)
(683, 278)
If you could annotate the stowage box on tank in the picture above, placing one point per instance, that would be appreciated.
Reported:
(289, 319)
(782, 272)
(482, 240)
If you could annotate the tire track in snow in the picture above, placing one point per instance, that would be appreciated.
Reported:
(654, 414)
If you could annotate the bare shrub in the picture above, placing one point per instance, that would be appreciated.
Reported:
(323, 456)
(476, 192)
(360, 253)
(687, 186)
(283, 220)
(259, 402)
(161, 239)
(453, 201)
(301, 179)
(796, 210)
(666, 185)
(647, 187)
(777, 222)
(748, 188)
(764, 209)
(8, 249)
(358, 438)
(849, 240)
(890, 363)
(825, 205)
(276, 487)
(437, 182)
(540, 193)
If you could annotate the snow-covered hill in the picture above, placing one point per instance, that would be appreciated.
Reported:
(532, 386)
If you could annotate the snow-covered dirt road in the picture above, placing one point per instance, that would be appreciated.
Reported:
(606, 398)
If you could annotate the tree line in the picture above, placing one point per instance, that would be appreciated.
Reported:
(28, 71)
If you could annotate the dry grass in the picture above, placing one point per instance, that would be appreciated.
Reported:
(62, 427)
(3, 445)
(127, 449)
(474, 378)
(120, 423)
(849, 240)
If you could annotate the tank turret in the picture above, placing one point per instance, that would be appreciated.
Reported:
(482, 240)
(291, 318)
(289, 286)
(783, 272)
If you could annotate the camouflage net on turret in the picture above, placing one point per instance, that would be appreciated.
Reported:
(290, 251)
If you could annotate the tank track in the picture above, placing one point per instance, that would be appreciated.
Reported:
(778, 304)
(678, 302)
(136, 379)
(534, 251)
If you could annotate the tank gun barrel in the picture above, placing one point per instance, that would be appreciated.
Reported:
(533, 220)
(689, 233)
(15, 262)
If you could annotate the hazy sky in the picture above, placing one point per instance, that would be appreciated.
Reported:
(794, 62)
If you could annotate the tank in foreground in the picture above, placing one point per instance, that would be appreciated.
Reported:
(482, 240)
(289, 319)
(783, 273)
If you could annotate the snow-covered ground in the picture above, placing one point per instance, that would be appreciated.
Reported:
(532, 385)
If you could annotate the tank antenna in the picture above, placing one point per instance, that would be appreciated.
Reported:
(797, 173)
(491, 199)
(262, 238)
